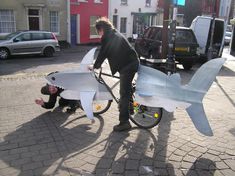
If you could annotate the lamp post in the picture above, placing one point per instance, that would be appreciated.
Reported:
(210, 49)
(170, 62)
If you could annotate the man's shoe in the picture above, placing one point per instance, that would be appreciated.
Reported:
(122, 127)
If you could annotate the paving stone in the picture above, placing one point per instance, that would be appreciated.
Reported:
(118, 168)
(230, 163)
(160, 172)
(189, 158)
(175, 158)
(195, 153)
(146, 162)
(20, 162)
(227, 172)
(146, 170)
(102, 172)
(132, 164)
(32, 165)
(221, 165)
(131, 173)
(174, 172)
(104, 163)
(187, 165)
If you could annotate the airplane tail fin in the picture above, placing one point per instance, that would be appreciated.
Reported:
(88, 60)
(201, 82)
(197, 114)
(205, 75)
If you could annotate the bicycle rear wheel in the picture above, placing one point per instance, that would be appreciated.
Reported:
(146, 117)
(101, 106)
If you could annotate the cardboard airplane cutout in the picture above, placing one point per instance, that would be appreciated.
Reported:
(81, 84)
(156, 89)
(153, 88)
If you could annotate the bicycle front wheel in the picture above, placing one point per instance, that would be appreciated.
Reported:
(101, 106)
(146, 117)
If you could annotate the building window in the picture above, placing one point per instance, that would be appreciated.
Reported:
(97, 1)
(123, 2)
(115, 21)
(93, 33)
(7, 21)
(123, 25)
(148, 3)
(34, 19)
(54, 21)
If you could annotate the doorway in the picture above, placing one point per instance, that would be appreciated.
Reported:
(34, 19)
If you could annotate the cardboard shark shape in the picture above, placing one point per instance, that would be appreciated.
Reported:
(153, 88)
(81, 84)
(156, 89)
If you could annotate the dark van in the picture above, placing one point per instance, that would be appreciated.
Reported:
(150, 45)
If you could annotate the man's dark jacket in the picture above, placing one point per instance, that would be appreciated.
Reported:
(121, 55)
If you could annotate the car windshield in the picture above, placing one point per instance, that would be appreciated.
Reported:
(11, 35)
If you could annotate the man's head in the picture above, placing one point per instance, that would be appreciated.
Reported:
(52, 89)
(103, 25)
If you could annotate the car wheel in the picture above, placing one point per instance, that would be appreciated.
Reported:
(187, 66)
(48, 52)
(4, 53)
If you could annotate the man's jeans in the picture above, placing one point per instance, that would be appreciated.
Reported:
(125, 96)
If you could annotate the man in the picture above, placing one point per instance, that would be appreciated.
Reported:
(123, 59)
(53, 93)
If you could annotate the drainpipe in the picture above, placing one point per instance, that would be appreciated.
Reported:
(68, 23)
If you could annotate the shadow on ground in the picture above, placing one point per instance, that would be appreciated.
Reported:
(42, 146)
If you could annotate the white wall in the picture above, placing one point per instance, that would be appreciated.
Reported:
(126, 10)
(224, 9)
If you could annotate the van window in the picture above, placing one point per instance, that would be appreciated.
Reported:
(218, 31)
(184, 36)
(37, 36)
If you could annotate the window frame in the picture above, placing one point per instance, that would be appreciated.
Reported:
(124, 2)
(147, 3)
(12, 17)
(92, 25)
(115, 21)
(98, 2)
(57, 22)
(121, 26)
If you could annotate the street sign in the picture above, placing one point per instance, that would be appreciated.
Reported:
(179, 2)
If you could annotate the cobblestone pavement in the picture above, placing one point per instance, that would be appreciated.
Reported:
(35, 141)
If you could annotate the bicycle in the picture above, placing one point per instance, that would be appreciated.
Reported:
(142, 116)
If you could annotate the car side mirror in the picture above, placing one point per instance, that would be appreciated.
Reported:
(16, 40)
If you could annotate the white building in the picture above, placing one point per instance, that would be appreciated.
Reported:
(224, 9)
(133, 16)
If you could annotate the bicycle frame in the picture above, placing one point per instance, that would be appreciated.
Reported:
(101, 80)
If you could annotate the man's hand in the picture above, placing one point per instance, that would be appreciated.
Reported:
(39, 101)
(90, 67)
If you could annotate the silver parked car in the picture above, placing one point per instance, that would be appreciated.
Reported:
(29, 42)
